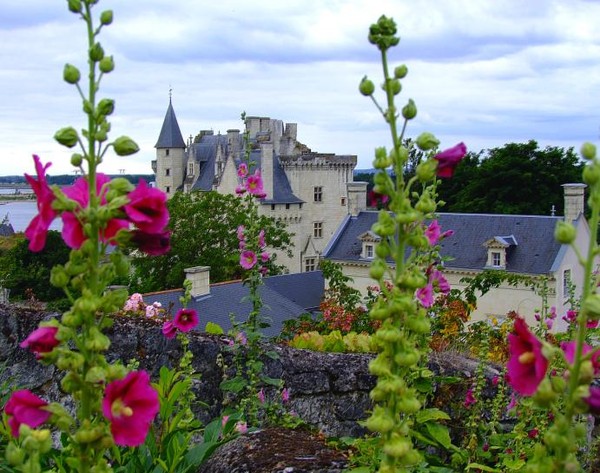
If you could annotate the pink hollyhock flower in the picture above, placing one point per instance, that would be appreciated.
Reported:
(72, 231)
(239, 190)
(495, 380)
(512, 403)
(533, 433)
(592, 323)
(570, 348)
(593, 400)
(261, 396)
(24, 407)
(571, 316)
(41, 340)
(527, 365)
(442, 283)
(537, 316)
(449, 159)
(425, 295)
(254, 184)
(242, 170)
(549, 323)
(285, 395)
(470, 399)
(130, 404)
(261, 238)
(241, 338)
(154, 244)
(186, 319)
(432, 232)
(147, 208)
(552, 313)
(264, 256)
(240, 232)
(241, 427)
(247, 259)
(169, 330)
(37, 229)
(263, 270)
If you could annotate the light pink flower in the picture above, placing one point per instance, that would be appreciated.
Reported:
(130, 404)
(186, 319)
(41, 340)
(425, 295)
(241, 427)
(432, 232)
(169, 330)
(261, 396)
(240, 232)
(254, 184)
(224, 420)
(247, 259)
(527, 365)
(241, 338)
(285, 395)
(449, 159)
(134, 303)
(261, 238)
(24, 407)
(152, 311)
(264, 256)
(147, 208)
(37, 229)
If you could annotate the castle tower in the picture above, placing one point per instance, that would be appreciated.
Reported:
(170, 154)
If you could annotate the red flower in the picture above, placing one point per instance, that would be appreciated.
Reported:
(449, 159)
(38, 228)
(186, 319)
(24, 407)
(527, 365)
(130, 404)
(154, 244)
(147, 208)
(41, 340)
(72, 231)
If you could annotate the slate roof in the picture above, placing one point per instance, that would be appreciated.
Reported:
(535, 252)
(6, 229)
(170, 134)
(284, 297)
(205, 153)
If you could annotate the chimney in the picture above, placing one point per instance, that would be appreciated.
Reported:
(574, 201)
(357, 197)
(200, 279)
(266, 168)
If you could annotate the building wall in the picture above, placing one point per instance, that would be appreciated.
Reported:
(170, 171)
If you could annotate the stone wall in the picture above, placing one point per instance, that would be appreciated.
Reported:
(328, 390)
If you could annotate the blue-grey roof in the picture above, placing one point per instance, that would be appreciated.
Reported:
(170, 134)
(232, 298)
(282, 190)
(205, 153)
(6, 229)
(534, 253)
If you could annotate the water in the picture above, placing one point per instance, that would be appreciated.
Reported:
(20, 213)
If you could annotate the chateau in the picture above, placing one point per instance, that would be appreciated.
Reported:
(311, 192)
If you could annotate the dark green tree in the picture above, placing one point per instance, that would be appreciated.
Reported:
(518, 178)
(203, 233)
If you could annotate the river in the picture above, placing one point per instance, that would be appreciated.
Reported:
(20, 213)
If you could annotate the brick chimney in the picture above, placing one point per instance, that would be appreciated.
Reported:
(200, 278)
(574, 200)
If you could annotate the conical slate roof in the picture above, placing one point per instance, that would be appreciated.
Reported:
(170, 134)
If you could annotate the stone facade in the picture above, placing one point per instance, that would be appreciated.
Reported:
(311, 192)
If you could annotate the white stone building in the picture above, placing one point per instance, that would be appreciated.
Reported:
(311, 192)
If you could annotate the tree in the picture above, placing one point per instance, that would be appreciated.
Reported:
(203, 233)
(518, 178)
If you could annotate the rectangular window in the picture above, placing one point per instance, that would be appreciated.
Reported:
(318, 194)
(368, 251)
(167, 189)
(566, 283)
(495, 258)
(342, 201)
(310, 264)
(318, 229)
(272, 206)
(287, 206)
(167, 152)
(167, 172)
(191, 169)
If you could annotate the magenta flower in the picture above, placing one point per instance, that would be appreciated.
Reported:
(449, 159)
(147, 208)
(130, 404)
(570, 348)
(242, 170)
(24, 407)
(425, 295)
(470, 399)
(442, 283)
(254, 184)
(37, 229)
(527, 365)
(432, 232)
(264, 256)
(261, 396)
(186, 319)
(41, 340)
(247, 259)
(169, 330)
(239, 190)
(261, 238)
(285, 395)
(593, 400)
(240, 232)
(154, 244)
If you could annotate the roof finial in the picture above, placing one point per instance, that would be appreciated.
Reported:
(170, 92)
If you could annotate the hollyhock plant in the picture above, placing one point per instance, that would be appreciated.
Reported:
(169, 330)
(254, 184)
(24, 407)
(147, 208)
(186, 319)
(130, 404)
(41, 340)
(593, 400)
(425, 295)
(570, 348)
(247, 259)
(261, 238)
(37, 229)
(242, 170)
(449, 159)
(527, 365)
(433, 232)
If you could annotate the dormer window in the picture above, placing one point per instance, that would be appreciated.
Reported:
(498, 251)
(369, 240)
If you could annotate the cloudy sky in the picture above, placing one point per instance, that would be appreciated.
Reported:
(482, 72)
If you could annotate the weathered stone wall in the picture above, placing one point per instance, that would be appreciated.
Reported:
(328, 390)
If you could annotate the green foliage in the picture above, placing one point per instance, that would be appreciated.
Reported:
(203, 233)
(335, 342)
(517, 178)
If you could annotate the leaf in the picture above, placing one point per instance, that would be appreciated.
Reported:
(479, 466)
(234, 385)
(213, 329)
(440, 433)
(271, 381)
(431, 414)
(360, 469)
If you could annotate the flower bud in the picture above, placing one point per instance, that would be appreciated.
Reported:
(545, 395)
(409, 111)
(394, 86)
(69, 360)
(58, 276)
(418, 324)
(96, 340)
(72, 319)
(382, 160)
(409, 404)
(397, 446)
(124, 146)
(71, 74)
(96, 52)
(382, 250)
(588, 150)
(380, 420)
(591, 306)
(559, 384)
(400, 71)
(426, 204)
(67, 136)
(75, 6)
(377, 270)
(76, 159)
(95, 375)
(14, 455)
(105, 107)
(426, 170)
(106, 17)
(366, 87)
(565, 233)
(426, 141)
(107, 64)
(407, 358)
(591, 173)
(115, 372)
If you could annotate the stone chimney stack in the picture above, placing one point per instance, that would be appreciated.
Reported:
(574, 201)
(266, 168)
(200, 278)
(357, 197)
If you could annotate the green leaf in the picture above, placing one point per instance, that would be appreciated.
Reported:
(271, 381)
(431, 414)
(234, 385)
(440, 433)
(479, 466)
(213, 329)
(360, 469)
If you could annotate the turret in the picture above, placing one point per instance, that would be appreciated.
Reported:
(170, 154)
